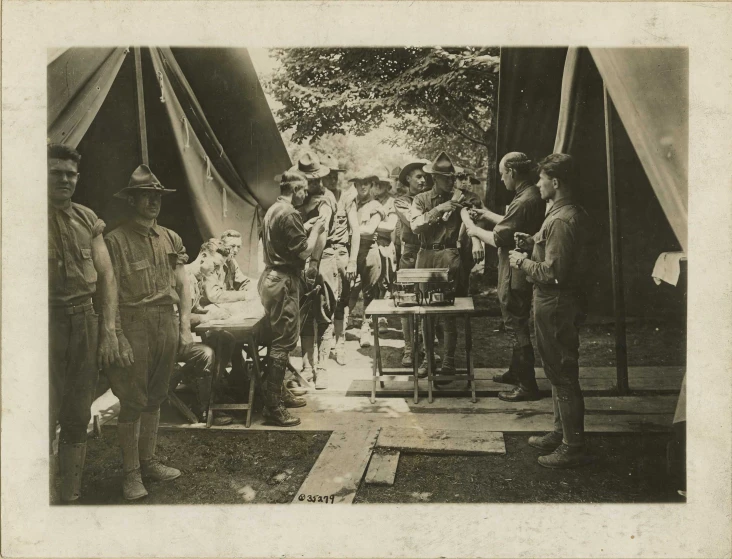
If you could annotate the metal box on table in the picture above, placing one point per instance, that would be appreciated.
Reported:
(423, 286)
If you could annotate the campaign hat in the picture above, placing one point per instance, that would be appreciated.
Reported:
(143, 179)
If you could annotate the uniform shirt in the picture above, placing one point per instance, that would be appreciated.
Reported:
(234, 278)
(365, 211)
(315, 205)
(525, 214)
(341, 233)
(387, 203)
(561, 255)
(194, 285)
(72, 278)
(429, 225)
(283, 237)
(144, 261)
(403, 207)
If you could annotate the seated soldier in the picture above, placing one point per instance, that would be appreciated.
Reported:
(199, 357)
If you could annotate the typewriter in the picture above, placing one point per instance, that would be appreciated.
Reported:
(423, 286)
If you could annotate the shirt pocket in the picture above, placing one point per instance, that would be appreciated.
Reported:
(137, 282)
(88, 271)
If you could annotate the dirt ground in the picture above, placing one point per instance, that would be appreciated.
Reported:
(221, 468)
(625, 469)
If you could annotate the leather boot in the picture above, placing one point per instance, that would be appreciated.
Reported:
(511, 376)
(549, 441)
(289, 400)
(129, 436)
(366, 336)
(407, 358)
(71, 463)
(321, 373)
(274, 412)
(151, 467)
(340, 340)
(308, 357)
(571, 452)
(448, 368)
(53, 490)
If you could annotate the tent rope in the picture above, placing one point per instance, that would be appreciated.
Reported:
(162, 90)
(188, 133)
(209, 176)
(224, 205)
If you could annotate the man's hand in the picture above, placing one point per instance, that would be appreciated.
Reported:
(351, 270)
(516, 258)
(108, 350)
(126, 357)
(379, 209)
(477, 213)
(448, 206)
(308, 225)
(185, 340)
(217, 313)
(471, 229)
(523, 241)
(478, 250)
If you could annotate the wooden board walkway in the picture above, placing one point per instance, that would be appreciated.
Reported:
(382, 468)
(337, 473)
(441, 441)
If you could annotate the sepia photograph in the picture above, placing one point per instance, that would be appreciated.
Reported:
(367, 275)
(366, 279)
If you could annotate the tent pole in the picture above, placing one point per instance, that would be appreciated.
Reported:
(621, 346)
(141, 107)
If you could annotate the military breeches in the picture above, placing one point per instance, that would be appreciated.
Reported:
(280, 294)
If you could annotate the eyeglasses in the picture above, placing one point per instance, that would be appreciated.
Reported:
(71, 175)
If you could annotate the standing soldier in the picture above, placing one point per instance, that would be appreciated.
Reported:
(437, 220)
(415, 181)
(380, 192)
(558, 268)
(368, 261)
(286, 247)
(148, 264)
(320, 204)
(525, 214)
(80, 341)
(344, 242)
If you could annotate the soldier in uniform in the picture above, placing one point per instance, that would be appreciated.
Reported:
(558, 268)
(320, 203)
(148, 264)
(344, 241)
(524, 214)
(286, 247)
(234, 278)
(437, 220)
(368, 261)
(414, 181)
(80, 341)
(380, 192)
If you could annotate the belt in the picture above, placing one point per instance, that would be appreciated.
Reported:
(73, 309)
(439, 246)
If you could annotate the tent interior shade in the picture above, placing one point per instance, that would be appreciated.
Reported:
(211, 136)
(552, 100)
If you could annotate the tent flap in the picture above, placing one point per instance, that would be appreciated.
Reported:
(650, 92)
(70, 119)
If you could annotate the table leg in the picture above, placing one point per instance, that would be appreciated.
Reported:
(414, 325)
(429, 343)
(376, 361)
(469, 352)
(256, 376)
(218, 364)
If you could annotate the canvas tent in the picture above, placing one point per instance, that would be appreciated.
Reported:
(198, 115)
(552, 100)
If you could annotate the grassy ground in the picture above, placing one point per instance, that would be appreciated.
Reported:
(221, 468)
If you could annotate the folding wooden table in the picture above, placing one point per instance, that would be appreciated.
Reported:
(247, 332)
(463, 306)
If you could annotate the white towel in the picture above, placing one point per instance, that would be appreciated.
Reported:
(668, 267)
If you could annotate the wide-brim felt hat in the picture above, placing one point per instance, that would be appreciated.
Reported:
(409, 167)
(373, 170)
(143, 179)
(442, 165)
(310, 166)
(333, 164)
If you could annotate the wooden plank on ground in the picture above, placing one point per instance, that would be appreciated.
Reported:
(442, 441)
(338, 470)
(382, 468)
(106, 407)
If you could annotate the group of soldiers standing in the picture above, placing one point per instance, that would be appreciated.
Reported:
(329, 237)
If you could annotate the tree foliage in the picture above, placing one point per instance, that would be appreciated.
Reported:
(434, 98)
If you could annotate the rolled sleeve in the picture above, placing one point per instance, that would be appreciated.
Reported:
(180, 250)
(297, 240)
(97, 228)
(504, 229)
(419, 216)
